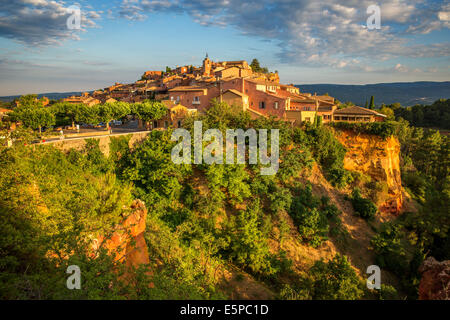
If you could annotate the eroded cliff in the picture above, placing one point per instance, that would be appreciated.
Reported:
(380, 160)
(127, 241)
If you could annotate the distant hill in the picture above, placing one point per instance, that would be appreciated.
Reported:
(407, 93)
(50, 95)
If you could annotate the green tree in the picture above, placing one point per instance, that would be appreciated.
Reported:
(149, 110)
(255, 65)
(75, 112)
(335, 280)
(34, 118)
(312, 223)
(372, 103)
(388, 112)
(249, 246)
(363, 207)
(113, 111)
(88, 114)
(30, 101)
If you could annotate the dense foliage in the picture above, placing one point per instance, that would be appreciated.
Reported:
(257, 68)
(204, 220)
(332, 280)
(327, 151)
(312, 216)
(436, 115)
(363, 207)
(383, 129)
(404, 244)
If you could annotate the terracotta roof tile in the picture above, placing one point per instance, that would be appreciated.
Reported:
(357, 111)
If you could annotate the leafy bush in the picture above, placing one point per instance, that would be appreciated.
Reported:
(387, 245)
(417, 183)
(335, 280)
(249, 247)
(388, 292)
(312, 223)
(383, 129)
(280, 199)
(363, 207)
(327, 151)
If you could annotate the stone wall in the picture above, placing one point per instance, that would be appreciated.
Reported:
(79, 143)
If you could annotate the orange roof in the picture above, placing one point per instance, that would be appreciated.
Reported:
(188, 88)
(265, 82)
(236, 92)
(354, 110)
(257, 113)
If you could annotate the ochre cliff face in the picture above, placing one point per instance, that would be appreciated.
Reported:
(377, 158)
(127, 241)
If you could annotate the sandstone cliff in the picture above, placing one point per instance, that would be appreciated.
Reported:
(127, 240)
(379, 159)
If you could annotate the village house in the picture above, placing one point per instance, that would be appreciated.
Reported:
(235, 98)
(264, 97)
(176, 114)
(357, 114)
(326, 112)
(183, 69)
(84, 98)
(152, 75)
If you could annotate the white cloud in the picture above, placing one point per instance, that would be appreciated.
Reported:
(318, 32)
(41, 22)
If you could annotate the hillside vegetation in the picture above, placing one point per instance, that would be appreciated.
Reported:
(220, 231)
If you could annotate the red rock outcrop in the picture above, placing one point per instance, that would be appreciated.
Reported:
(378, 158)
(127, 240)
(435, 282)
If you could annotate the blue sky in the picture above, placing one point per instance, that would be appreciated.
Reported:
(307, 41)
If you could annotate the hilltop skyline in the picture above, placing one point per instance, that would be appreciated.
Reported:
(306, 41)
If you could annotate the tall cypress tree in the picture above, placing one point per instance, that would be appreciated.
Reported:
(372, 103)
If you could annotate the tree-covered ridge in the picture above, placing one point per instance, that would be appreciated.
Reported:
(206, 219)
(436, 115)
(201, 218)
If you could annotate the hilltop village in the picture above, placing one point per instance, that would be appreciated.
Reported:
(190, 89)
